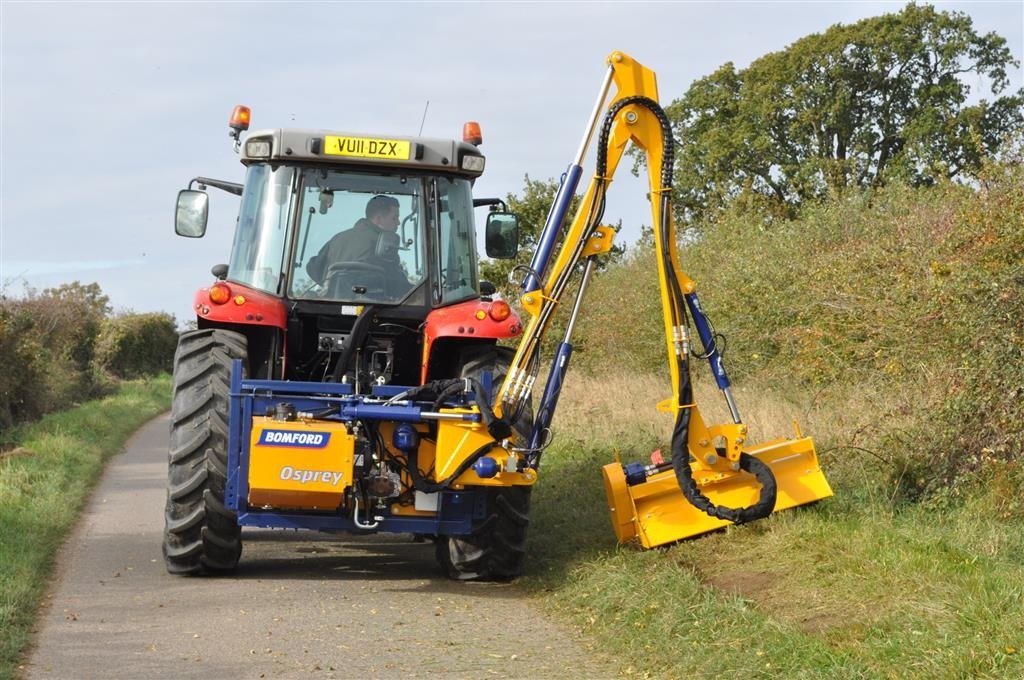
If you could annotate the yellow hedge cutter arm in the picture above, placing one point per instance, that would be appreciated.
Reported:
(714, 477)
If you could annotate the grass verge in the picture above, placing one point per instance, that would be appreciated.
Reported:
(858, 586)
(44, 483)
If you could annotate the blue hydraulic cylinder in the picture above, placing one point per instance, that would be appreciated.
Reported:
(551, 392)
(549, 235)
(707, 339)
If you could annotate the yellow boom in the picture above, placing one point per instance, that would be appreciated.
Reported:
(715, 477)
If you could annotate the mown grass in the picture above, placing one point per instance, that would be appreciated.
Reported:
(44, 483)
(858, 586)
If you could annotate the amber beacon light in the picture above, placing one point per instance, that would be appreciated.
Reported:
(471, 133)
(240, 117)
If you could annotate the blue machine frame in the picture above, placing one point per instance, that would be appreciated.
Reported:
(456, 510)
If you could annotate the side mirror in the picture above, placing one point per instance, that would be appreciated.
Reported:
(502, 235)
(191, 213)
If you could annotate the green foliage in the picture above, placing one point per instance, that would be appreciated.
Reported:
(43, 485)
(911, 291)
(48, 342)
(61, 347)
(856, 106)
(136, 345)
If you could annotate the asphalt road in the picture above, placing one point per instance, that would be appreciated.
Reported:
(302, 604)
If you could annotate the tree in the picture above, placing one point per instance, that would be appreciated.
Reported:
(89, 295)
(855, 106)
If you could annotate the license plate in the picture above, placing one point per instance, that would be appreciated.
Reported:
(366, 147)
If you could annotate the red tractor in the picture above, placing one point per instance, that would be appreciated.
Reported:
(353, 268)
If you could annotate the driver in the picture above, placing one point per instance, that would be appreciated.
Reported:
(367, 242)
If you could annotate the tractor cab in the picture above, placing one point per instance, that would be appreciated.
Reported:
(333, 224)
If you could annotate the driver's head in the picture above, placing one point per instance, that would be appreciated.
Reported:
(383, 211)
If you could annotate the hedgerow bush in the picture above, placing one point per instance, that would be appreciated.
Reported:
(135, 345)
(981, 311)
(61, 346)
(21, 367)
(48, 341)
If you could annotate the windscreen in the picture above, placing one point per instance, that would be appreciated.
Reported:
(360, 238)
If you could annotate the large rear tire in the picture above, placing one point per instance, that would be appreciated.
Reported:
(201, 536)
(496, 549)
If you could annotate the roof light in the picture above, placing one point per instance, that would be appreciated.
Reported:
(471, 133)
(500, 310)
(240, 117)
(473, 163)
(257, 148)
(219, 293)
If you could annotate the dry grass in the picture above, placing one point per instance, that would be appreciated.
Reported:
(853, 426)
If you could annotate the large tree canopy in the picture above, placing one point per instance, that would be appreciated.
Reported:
(855, 106)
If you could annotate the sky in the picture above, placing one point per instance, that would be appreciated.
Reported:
(107, 110)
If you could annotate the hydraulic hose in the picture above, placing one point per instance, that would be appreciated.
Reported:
(356, 339)
(496, 427)
(424, 485)
(677, 317)
(499, 428)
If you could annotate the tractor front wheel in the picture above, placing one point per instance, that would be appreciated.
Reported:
(201, 535)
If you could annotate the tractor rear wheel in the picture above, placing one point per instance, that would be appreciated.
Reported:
(201, 535)
(496, 549)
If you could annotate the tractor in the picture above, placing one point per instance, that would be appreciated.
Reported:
(350, 372)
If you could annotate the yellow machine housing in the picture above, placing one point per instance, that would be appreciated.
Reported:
(656, 513)
(299, 465)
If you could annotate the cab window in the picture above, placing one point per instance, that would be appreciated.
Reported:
(456, 241)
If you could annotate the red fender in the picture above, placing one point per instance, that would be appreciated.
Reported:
(243, 305)
(463, 320)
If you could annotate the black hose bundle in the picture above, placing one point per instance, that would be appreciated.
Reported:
(356, 339)
(677, 310)
(441, 390)
(422, 484)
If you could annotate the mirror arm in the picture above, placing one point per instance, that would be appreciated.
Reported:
(230, 187)
(480, 202)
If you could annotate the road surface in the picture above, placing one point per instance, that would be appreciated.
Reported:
(302, 604)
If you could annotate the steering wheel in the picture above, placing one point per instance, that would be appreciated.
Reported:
(345, 278)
